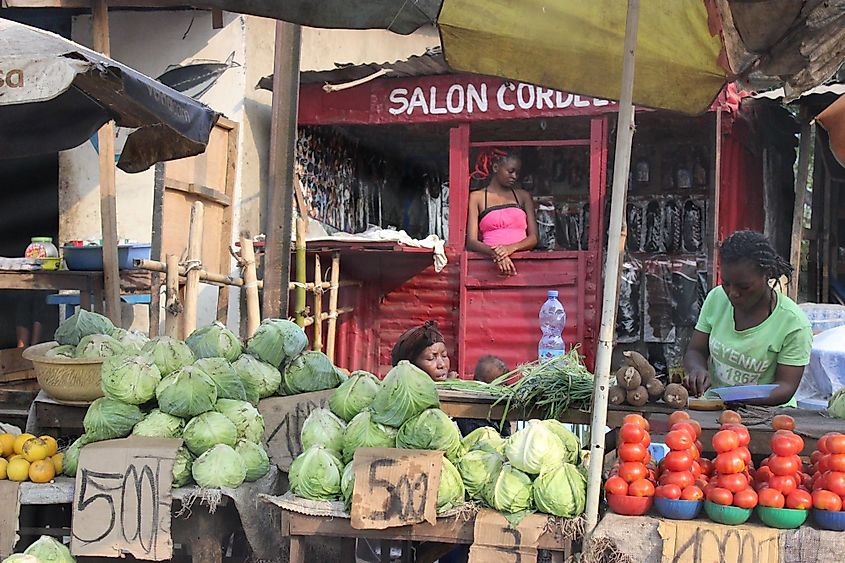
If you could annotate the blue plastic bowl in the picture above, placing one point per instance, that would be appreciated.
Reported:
(828, 520)
(90, 258)
(678, 509)
(743, 392)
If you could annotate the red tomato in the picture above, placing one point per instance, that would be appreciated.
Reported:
(783, 422)
(780, 465)
(799, 500)
(720, 496)
(677, 416)
(706, 466)
(632, 471)
(725, 441)
(835, 482)
(696, 426)
(734, 482)
(741, 431)
(616, 486)
(692, 492)
(771, 497)
(694, 453)
(824, 463)
(836, 443)
(826, 500)
(821, 443)
(641, 488)
(646, 441)
(681, 478)
(638, 420)
(672, 492)
(744, 454)
(632, 452)
(730, 417)
(687, 427)
(727, 463)
(678, 461)
(836, 462)
(696, 469)
(763, 475)
(783, 483)
(631, 433)
(746, 498)
(678, 440)
(699, 446)
(816, 456)
(787, 443)
(701, 482)
(819, 481)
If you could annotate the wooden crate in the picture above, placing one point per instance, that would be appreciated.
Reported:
(13, 367)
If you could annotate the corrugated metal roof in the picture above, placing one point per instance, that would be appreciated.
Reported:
(837, 88)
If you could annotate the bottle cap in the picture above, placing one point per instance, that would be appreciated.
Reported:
(553, 293)
(42, 239)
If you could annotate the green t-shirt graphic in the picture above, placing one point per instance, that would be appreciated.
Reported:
(751, 356)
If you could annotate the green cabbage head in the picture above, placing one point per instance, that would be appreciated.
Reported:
(21, 558)
(131, 379)
(220, 466)
(535, 448)
(214, 341)
(277, 342)
(405, 392)
(81, 324)
(486, 439)
(569, 440)
(477, 468)
(71, 459)
(510, 491)
(186, 393)
(64, 351)
(315, 474)
(362, 432)
(561, 491)
(98, 346)
(451, 492)
(431, 430)
(109, 418)
(182, 467)
(323, 428)
(311, 371)
(354, 395)
(246, 418)
(347, 485)
(48, 550)
(224, 376)
(836, 404)
(208, 429)
(260, 379)
(159, 424)
(132, 340)
(169, 354)
(255, 459)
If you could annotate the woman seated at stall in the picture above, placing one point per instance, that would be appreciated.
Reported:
(501, 215)
(748, 333)
(424, 347)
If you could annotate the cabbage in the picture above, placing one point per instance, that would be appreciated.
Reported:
(98, 346)
(362, 432)
(186, 393)
(311, 371)
(323, 428)
(347, 485)
(208, 429)
(256, 461)
(182, 467)
(405, 392)
(260, 379)
(354, 395)
(159, 424)
(246, 418)
(81, 324)
(21, 558)
(277, 342)
(510, 491)
(214, 341)
(561, 491)
(315, 475)
(836, 404)
(477, 468)
(48, 550)
(535, 448)
(431, 430)
(221, 372)
(64, 351)
(168, 354)
(568, 439)
(220, 466)
(132, 340)
(131, 379)
(108, 419)
(451, 492)
(71, 459)
(486, 439)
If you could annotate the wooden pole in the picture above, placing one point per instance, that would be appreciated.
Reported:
(621, 166)
(192, 278)
(333, 295)
(172, 307)
(301, 266)
(155, 251)
(108, 201)
(827, 252)
(800, 193)
(318, 305)
(717, 194)
(253, 311)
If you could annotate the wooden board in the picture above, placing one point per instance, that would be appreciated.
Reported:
(13, 367)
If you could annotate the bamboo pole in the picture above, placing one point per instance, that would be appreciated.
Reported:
(172, 307)
(192, 278)
(301, 279)
(309, 320)
(253, 311)
(333, 295)
(800, 195)
(318, 305)
(621, 166)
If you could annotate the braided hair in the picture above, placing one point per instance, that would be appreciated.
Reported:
(755, 248)
(487, 159)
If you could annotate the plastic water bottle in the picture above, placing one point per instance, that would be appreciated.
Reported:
(552, 321)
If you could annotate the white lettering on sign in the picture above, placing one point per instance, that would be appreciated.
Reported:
(474, 98)
(12, 78)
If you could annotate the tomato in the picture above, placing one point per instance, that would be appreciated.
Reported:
(734, 483)
(727, 463)
(819, 481)
(836, 443)
(835, 482)
(632, 471)
(696, 469)
(799, 500)
(646, 441)
(763, 474)
(836, 462)
(631, 433)
(826, 500)
(721, 496)
(616, 486)
(701, 483)
(681, 478)
(699, 446)
(783, 422)
(696, 426)
(632, 452)
(787, 444)
(687, 427)
(824, 463)
(672, 492)
(745, 455)
(694, 453)
(730, 417)
(706, 466)
(783, 483)
(638, 420)
(678, 461)
(816, 456)
(725, 441)
(678, 440)
(692, 492)
(821, 443)
(746, 498)
(771, 497)
(641, 488)
(678, 416)
(780, 465)
(741, 431)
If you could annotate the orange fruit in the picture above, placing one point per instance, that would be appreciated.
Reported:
(19, 442)
(35, 449)
(42, 471)
(52, 444)
(3, 465)
(18, 470)
(58, 462)
(7, 444)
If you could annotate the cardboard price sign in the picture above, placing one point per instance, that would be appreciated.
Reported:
(699, 542)
(121, 503)
(395, 487)
(9, 517)
(494, 539)
(283, 420)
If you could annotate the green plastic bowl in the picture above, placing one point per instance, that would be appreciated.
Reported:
(729, 515)
(784, 518)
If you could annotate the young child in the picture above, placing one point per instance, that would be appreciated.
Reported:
(488, 369)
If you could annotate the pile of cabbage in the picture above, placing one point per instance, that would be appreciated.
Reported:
(91, 335)
(538, 468)
(44, 550)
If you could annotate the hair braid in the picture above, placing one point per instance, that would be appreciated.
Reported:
(755, 248)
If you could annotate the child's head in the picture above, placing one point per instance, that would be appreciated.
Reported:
(489, 368)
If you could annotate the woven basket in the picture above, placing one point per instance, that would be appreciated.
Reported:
(66, 380)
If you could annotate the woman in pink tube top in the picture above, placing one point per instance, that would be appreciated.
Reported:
(501, 216)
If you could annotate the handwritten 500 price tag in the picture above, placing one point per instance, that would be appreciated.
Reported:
(122, 499)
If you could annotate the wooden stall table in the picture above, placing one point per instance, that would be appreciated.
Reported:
(48, 416)
(89, 284)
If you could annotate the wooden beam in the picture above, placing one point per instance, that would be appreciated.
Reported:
(192, 278)
(85, 4)
(318, 305)
(717, 194)
(172, 307)
(800, 192)
(228, 218)
(204, 192)
(333, 291)
(253, 311)
(155, 251)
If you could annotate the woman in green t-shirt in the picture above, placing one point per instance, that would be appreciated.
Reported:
(748, 333)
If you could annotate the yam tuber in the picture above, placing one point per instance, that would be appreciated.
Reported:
(616, 395)
(637, 397)
(655, 389)
(628, 377)
(676, 396)
(638, 362)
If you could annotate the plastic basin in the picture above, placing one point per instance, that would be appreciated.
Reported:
(627, 505)
(72, 381)
(743, 392)
(90, 258)
(729, 515)
(784, 518)
(828, 520)
(678, 509)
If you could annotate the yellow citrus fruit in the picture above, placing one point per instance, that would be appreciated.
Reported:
(15, 456)
(7, 444)
(52, 445)
(18, 470)
(42, 471)
(58, 462)
(19, 442)
(35, 449)
(3, 465)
